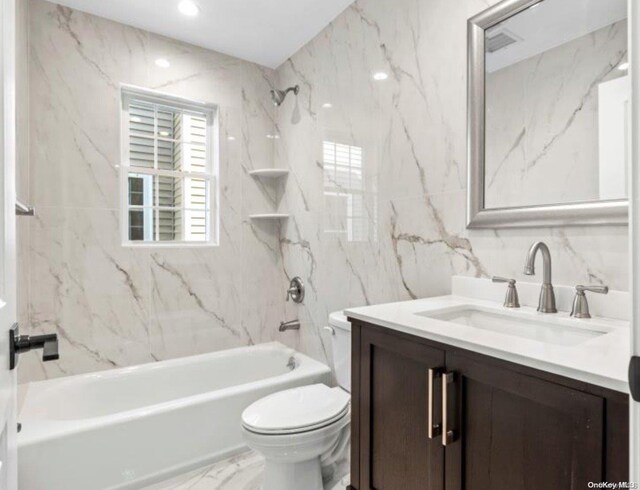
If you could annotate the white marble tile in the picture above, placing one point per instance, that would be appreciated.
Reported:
(241, 472)
(411, 129)
(117, 306)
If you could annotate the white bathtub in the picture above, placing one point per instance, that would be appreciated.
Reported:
(127, 428)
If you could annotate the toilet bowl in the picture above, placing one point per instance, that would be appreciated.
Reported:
(298, 431)
(302, 432)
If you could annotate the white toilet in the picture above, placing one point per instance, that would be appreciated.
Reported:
(304, 430)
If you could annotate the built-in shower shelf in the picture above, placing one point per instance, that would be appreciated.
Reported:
(269, 173)
(273, 216)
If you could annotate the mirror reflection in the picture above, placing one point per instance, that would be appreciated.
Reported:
(557, 99)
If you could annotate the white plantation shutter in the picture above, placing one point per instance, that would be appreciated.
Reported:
(344, 183)
(172, 147)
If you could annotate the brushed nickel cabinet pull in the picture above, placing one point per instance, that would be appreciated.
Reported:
(447, 433)
(433, 429)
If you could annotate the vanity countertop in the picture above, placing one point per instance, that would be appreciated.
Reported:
(601, 360)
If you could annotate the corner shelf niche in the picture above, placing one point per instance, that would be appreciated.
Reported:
(269, 216)
(269, 173)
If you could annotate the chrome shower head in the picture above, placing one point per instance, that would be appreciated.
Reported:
(278, 96)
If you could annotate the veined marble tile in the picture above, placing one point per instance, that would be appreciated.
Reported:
(409, 208)
(411, 128)
(241, 472)
(87, 288)
(114, 306)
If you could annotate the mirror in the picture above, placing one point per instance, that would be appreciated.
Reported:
(549, 100)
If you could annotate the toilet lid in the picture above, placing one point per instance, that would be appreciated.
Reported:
(296, 410)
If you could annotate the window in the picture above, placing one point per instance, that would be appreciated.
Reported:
(351, 209)
(169, 170)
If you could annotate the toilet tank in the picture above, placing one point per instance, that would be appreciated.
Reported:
(341, 347)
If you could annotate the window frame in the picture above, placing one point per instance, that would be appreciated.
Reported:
(129, 93)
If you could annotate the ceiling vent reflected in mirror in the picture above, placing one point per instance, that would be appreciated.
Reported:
(500, 41)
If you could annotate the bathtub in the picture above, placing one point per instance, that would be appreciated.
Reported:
(130, 427)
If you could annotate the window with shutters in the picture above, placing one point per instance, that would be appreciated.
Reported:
(169, 170)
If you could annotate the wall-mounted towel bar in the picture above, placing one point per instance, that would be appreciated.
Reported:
(24, 210)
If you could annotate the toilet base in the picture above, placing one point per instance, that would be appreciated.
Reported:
(293, 476)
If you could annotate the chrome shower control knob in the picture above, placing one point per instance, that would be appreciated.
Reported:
(296, 290)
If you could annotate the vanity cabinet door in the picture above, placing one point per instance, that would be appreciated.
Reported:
(395, 451)
(514, 431)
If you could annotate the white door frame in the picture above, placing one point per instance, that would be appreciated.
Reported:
(8, 313)
(634, 222)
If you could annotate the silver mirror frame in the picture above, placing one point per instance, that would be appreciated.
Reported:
(613, 212)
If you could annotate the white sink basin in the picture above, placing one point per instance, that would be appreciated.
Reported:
(559, 331)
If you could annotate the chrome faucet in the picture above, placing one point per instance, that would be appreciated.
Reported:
(547, 302)
(292, 325)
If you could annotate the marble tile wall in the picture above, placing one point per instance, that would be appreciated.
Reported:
(542, 120)
(115, 306)
(376, 190)
(411, 131)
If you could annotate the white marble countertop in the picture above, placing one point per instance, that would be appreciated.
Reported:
(601, 360)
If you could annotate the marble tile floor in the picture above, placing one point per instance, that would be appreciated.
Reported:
(240, 472)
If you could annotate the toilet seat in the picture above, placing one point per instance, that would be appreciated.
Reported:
(296, 410)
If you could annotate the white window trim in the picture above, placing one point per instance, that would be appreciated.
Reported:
(128, 92)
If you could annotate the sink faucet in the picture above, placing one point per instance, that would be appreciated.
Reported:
(547, 302)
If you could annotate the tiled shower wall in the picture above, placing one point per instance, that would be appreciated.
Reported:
(398, 232)
(394, 230)
(113, 306)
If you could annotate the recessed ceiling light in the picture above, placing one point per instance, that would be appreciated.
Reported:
(163, 63)
(231, 138)
(327, 105)
(188, 8)
(623, 66)
(380, 75)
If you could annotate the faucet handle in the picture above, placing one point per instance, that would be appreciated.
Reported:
(594, 289)
(511, 299)
(511, 282)
(580, 308)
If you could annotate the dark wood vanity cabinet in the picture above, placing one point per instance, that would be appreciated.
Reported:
(509, 427)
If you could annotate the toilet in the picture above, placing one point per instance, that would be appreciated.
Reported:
(302, 432)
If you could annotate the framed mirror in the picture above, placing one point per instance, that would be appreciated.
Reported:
(548, 111)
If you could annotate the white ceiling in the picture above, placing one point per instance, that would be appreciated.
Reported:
(266, 32)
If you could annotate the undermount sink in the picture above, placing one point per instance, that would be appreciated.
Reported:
(555, 331)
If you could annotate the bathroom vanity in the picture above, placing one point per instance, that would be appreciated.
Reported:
(445, 397)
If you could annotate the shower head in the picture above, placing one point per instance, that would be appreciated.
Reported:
(278, 96)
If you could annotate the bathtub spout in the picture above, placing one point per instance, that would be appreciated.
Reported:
(292, 325)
